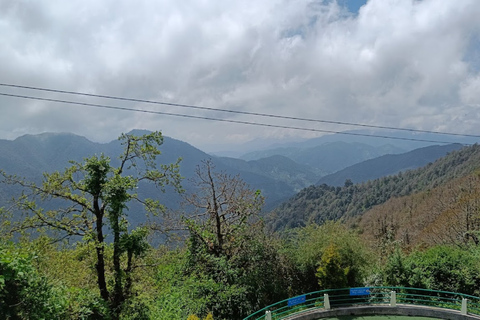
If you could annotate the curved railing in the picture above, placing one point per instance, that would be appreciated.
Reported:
(349, 297)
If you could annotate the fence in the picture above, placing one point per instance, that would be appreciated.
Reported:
(349, 297)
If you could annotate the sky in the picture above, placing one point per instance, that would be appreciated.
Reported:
(400, 63)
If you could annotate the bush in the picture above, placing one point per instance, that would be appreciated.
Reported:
(442, 268)
(321, 251)
(24, 294)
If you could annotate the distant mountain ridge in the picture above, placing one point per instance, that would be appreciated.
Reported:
(405, 140)
(388, 165)
(329, 157)
(277, 166)
(278, 177)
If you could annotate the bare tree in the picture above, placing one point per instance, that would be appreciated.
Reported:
(222, 205)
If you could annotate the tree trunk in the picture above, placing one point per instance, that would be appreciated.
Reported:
(118, 296)
(100, 265)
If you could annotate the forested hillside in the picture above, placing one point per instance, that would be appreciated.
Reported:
(321, 203)
(447, 214)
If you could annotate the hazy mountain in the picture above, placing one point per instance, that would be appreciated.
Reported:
(328, 157)
(277, 167)
(395, 139)
(333, 152)
(388, 165)
(405, 140)
(31, 155)
(278, 177)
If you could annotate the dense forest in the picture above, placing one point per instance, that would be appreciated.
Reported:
(224, 258)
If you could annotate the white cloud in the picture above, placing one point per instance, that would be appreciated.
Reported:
(470, 91)
(395, 63)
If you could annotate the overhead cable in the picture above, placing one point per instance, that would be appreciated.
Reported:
(237, 111)
(102, 106)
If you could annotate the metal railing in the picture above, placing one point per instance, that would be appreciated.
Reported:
(348, 297)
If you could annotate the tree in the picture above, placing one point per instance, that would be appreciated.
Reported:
(348, 183)
(222, 207)
(331, 272)
(328, 251)
(395, 271)
(237, 268)
(92, 197)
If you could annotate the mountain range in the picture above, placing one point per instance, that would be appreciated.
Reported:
(278, 173)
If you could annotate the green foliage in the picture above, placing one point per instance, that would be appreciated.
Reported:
(194, 317)
(93, 196)
(86, 304)
(440, 268)
(332, 272)
(236, 267)
(395, 270)
(219, 283)
(178, 293)
(24, 294)
(6, 218)
(314, 249)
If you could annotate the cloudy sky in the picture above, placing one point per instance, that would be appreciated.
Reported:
(400, 63)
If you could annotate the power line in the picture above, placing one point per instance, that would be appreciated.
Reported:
(237, 112)
(217, 119)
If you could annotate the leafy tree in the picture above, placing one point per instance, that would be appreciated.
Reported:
(348, 183)
(322, 251)
(395, 270)
(331, 272)
(92, 197)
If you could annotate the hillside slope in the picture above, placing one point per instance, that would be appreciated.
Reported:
(321, 203)
(447, 214)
